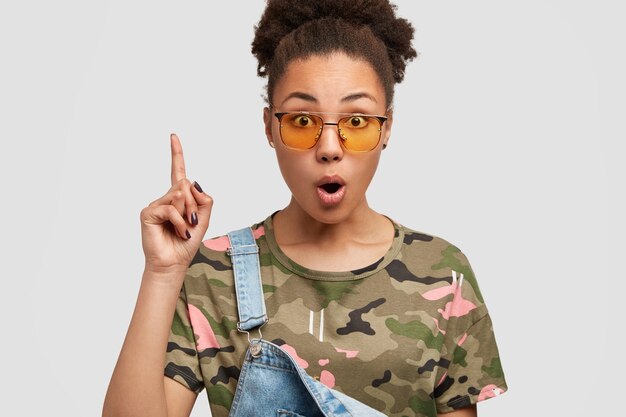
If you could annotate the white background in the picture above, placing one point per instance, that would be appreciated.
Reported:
(507, 141)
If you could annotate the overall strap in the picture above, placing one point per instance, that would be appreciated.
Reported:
(244, 254)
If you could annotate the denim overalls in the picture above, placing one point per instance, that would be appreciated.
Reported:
(271, 384)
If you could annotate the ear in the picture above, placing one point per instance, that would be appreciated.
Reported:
(388, 124)
(267, 121)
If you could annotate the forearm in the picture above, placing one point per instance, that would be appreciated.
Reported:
(136, 387)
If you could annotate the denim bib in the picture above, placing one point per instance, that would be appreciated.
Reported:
(271, 384)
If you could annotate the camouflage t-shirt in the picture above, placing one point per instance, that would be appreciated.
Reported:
(408, 335)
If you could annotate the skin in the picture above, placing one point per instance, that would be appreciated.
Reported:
(345, 237)
(350, 235)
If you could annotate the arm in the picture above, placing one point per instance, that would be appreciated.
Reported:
(179, 399)
(474, 373)
(463, 412)
(137, 386)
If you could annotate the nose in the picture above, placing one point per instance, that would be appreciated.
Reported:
(328, 145)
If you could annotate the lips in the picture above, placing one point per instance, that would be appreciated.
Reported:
(331, 189)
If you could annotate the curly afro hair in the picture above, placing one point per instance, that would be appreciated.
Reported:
(364, 29)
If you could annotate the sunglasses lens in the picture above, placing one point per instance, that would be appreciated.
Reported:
(300, 131)
(360, 133)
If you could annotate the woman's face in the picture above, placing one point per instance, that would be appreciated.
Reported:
(332, 83)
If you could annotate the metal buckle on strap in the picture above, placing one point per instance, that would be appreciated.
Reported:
(243, 250)
(255, 349)
(255, 346)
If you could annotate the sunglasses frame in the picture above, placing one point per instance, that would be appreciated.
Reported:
(381, 119)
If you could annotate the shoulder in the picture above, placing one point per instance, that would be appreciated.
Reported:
(211, 262)
(220, 243)
(216, 246)
(436, 261)
(441, 251)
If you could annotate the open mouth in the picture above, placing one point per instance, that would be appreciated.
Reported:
(331, 187)
(331, 190)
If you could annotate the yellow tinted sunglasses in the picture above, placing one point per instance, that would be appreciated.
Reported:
(358, 132)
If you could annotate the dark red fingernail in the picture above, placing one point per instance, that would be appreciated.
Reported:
(195, 184)
(187, 234)
(194, 218)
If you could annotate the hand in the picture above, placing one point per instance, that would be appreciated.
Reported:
(169, 233)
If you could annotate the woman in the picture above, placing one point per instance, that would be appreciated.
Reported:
(390, 316)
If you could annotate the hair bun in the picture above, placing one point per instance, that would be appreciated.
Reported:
(281, 17)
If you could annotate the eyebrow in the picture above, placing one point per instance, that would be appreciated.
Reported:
(346, 99)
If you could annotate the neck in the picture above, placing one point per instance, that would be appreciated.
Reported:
(293, 225)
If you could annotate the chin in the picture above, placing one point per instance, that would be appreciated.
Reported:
(328, 215)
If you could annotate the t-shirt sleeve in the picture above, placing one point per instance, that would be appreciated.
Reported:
(181, 358)
(474, 372)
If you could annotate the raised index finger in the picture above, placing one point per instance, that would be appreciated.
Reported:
(178, 162)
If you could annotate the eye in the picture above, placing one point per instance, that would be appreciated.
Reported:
(356, 122)
(302, 120)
